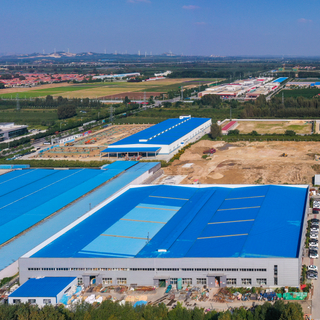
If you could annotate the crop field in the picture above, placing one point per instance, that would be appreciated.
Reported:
(294, 93)
(300, 127)
(95, 90)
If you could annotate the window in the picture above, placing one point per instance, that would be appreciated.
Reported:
(80, 281)
(121, 280)
(246, 282)
(142, 269)
(16, 301)
(231, 282)
(106, 280)
(32, 301)
(262, 282)
(275, 270)
(46, 301)
(173, 280)
(275, 281)
(168, 269)
(63, 269)
(201, 269)
(201, 280)
(187, 281)
(187, 269)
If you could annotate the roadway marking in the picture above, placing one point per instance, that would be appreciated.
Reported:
(230, 235)
(245, 198)
(143, 221)
(19, 176)
(230, 221)
(168, 198)
(40, 189)
(239, 208)
(157, 208)
(112, 235)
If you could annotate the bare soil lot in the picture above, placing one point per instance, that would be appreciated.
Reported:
(263, 127)
(249, 163)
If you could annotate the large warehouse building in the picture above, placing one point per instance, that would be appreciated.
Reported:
(38, 203)
(165, 138)
(221, 235)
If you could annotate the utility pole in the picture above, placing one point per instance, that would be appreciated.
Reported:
(111, 114)
(18, 104)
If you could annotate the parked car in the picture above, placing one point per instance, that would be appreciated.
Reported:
(312, 276)
(314, 228)
(312, 268)
(314, 240)
(315, 223)
(314, 220)
(313, 254)
(313, 244)
(313, 236)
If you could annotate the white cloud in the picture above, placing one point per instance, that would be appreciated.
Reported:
(190, 7)
(303, 20)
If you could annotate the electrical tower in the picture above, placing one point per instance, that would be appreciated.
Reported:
(18, 103)
(111, 114)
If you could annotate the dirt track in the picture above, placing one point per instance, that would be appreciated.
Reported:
(249, 163)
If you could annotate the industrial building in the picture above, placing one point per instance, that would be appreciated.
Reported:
(250, 88)
(42, 291)
(114, 76)
(9, 130)
(214, 235)
(165, 138)
(38, 203)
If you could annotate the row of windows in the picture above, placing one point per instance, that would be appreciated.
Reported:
(224, 269)
(32, 301)
(245, 281)
(150, 269)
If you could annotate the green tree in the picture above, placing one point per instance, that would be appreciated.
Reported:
(215, 131)
(290, 133)
(126, 100)
(66, 111)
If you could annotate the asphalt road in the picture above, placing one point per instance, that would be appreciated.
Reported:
(315, 306)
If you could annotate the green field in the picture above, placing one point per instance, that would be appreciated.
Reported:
(33, 117)
(98, 89)
(306, 93)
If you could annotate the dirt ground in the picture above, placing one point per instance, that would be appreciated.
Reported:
(44, 86)
(262, 127)
(90, 146)
(249, 163)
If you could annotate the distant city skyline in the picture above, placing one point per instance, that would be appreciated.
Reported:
(198, 27)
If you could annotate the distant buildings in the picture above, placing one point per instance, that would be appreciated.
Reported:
(248, 88)
(8, 130)
(34, 79)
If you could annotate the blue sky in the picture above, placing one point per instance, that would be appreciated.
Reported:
(191, 27)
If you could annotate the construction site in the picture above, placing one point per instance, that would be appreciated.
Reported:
(247, 163)
(89, 146)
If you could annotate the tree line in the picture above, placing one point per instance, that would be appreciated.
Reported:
(299, 107)
(113, 311)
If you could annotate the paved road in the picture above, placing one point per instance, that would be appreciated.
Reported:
(315, 305)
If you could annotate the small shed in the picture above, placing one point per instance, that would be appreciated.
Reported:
(42, 291)
(317, 180)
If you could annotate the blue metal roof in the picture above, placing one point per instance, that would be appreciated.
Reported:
(27, 241)
(29, 196)
(280, 79)
(128, 150)
(190, 222)
(44, 287)
(163, 133)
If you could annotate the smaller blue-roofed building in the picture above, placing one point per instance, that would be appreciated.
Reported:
(214, 235)
(42, 291)
(165, 138)
(280, 80)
